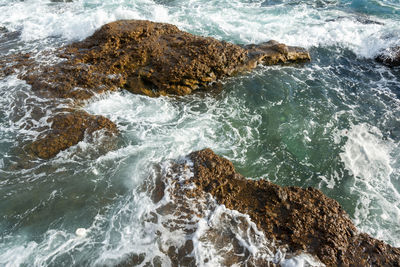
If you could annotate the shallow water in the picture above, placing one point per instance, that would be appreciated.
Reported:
(333, 124)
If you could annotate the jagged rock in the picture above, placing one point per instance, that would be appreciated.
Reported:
(390, 56)
(142, 57)
(303, 219)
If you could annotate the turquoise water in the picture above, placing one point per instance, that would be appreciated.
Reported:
(333, 124)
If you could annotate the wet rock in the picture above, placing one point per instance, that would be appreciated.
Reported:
(142, 57)
(225, 237)
(366, 20)
(68, 129)
(152, 59)
(272, 52)
(360, 19)
(303, 219)
(133, 260)
(390, 57)
(11, 63)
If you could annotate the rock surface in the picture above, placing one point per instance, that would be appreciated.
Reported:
(142, 57)
(152, 59)
(67, 129)
(390, 57)
(303, 219)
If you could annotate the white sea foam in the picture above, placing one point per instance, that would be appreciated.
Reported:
(178, 126)
(40, 254)
(241, 22)
(301, 260)
(153, 130)
(17, 255)
(369, 158)
(81, 232)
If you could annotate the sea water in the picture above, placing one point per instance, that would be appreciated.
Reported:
(333, 124)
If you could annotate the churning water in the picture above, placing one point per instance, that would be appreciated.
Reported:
(333, 123)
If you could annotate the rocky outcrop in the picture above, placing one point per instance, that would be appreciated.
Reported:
(142, 57)
(390, 57)
(152, 59)
(303, 219)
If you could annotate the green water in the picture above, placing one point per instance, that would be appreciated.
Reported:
(333, 124)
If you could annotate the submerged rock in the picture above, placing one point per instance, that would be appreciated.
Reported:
(390, 57)
(142, 57)
(360, 19)
(305, 220)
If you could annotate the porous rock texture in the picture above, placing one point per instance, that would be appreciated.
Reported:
(153, 59)
(390, 57)
(142, 57)
(303, 219)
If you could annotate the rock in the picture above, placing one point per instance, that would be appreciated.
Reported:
(9, 64)
(142, 57)
(304, 219)
(153, 59)
(390, 57)
(68, 129)
(361, 19)
(367, 21)
(272, 52)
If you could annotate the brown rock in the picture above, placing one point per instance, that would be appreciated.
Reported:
(144, 58)
(152, 59)
(390, 57)
(67, 129)
(303, 219)
(272, 52)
